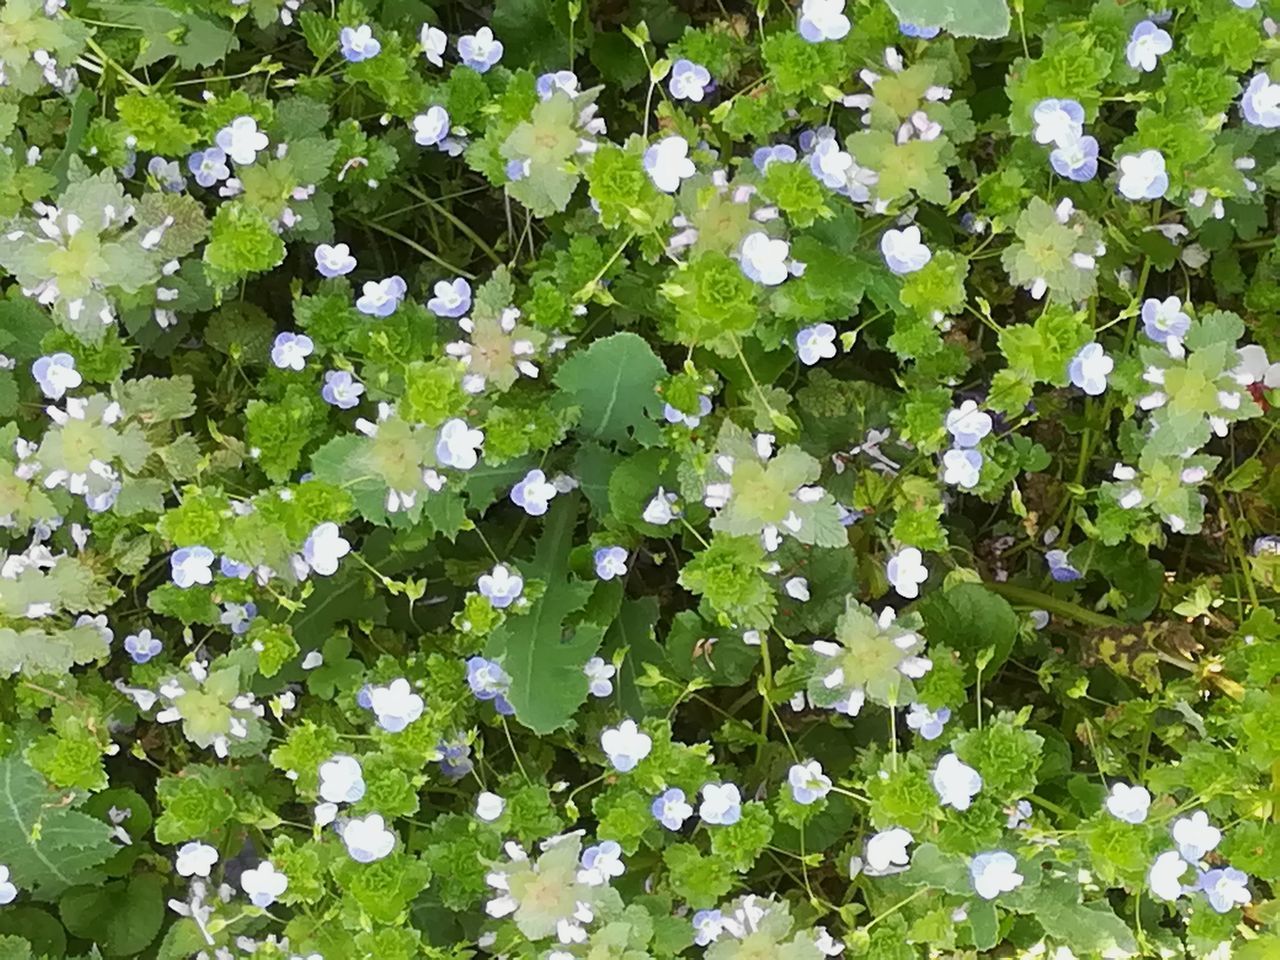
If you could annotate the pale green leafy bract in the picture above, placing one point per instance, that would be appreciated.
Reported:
(988, 19)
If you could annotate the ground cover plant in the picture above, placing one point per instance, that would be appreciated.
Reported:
(566, 481)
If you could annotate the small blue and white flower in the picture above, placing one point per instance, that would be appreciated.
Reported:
(808, 783)
(1060, 567)
(434, 42)
(689, 80)
(341, 779)
(501, 586)
(671, 809)
(1260, 102)
(209, 166)
(625, 745)
(765, 259)
(1077, 160)
(1058, 121)
(601, 863)
(778, 153)
(565, 81)
(1164, 879)
(488, 681)
(241, 140)
(167, 174)
(234, 569)
(334, 260)
(904, 251)
(956, 782)
(290, 351)
(367, 838)
(721, 804)
(458, 445)
(189, 566)
(918, 32)
(667, 163)
(1147, 44)
(195, 859)
(831, 165)
(324, 547)
(611, 562)
(238, 616)
(1162, 319)
(142, 646)
(1195, 836)
(661, 510)
(381, 298)
(431, 127)
(358, 43)
(707, 927)
(489, 806)
(928, 723)
(341, 389)
(1128, 803)
(906, 572)
(994, 873)
(56, 374)
(822, 20)
(480, 50)
(816, 343)
(1225, 888)
(599, 673)
(1143, 175)
(887, 852)
(451, 298)
(962, 468)
(534, 493)
(690, 420)
(968, 425)
(263, 884)
(1089, 369)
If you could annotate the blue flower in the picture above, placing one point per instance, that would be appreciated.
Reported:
(358, 43)
(209, 166)
(480, 50)
(142, 646)
(1060, 567)
(1076, 159)
(341, 389)
(921, 33)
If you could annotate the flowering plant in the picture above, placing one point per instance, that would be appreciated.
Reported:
(566, 481)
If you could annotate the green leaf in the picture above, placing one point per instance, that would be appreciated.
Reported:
(613, 382)
(47, 844)
(1086, 928)
(122, 917)
(969, 618)
(35, 651)
(541, 651)
(988, 19)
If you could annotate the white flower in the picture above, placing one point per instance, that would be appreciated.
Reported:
(56, 374)
(489, 806)
(816, 343)
(380, 298)
(1225, 889)
(324, 548)
(968, 425)
(1164, 879)
(903, 250)
(671, 809)
(1162, 319)
(721, 804)
(452, 298)
(994, 873)
(962, 468)
(191, 565)
(434, 41)
(241, 140)
(667, 163)
(830, 164)
(341, 389)
(1147, 44)
(601, 863)
(290, 351)
(1260, 103)
(501, 587)
(689, 80)
(562, 80)
(808, 782)
(797, 588)
(956, 782)
(1059, 122)
(611, 562)
(458, 445)
(661, 510)
(1195, 836)
(263, 884)
(707, 926)
(906, 571)
(1128, 803)
(431, 127)
(673, 415)
(368, 839)
(887, 850)
(1089, 369)
(195, 859)
(764, 259)
(533, 494)
(928, 723)
(8, 892)
(599, 674)
(358, 43)
(479, 51)
(625, 745)
(334, 261)
(1143, 176)
(395, 706)
(823, 20)
(341, 779)
(1256, 367)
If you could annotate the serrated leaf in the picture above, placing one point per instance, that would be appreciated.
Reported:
(123, 917)
(612, 382)
(542, 652)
